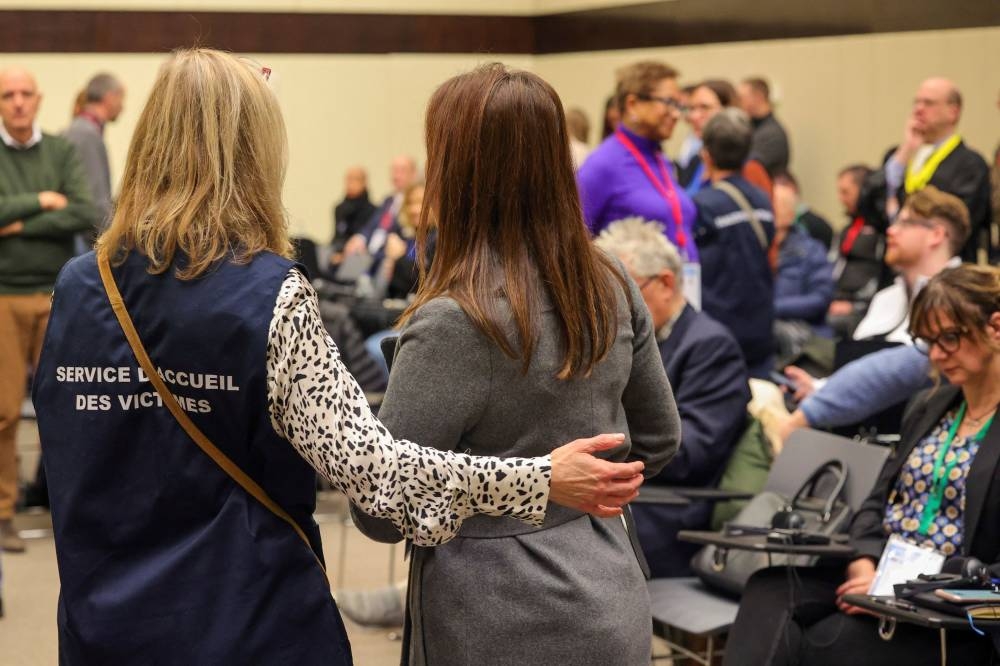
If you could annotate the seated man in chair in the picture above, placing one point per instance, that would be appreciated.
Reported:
(709, 378)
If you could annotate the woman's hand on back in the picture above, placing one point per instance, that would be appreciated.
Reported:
(586, 483)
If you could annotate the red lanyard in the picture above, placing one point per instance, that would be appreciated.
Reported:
(665, 188)
(851, 235)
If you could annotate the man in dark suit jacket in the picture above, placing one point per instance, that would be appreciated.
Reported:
(932, 153)
(709, 378)
(384, 221)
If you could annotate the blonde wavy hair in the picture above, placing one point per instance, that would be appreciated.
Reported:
(205, 168)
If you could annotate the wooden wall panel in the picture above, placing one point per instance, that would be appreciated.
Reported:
(643, 25)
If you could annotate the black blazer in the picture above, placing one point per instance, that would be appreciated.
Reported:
(965, 174)
(709, 377)
(981, 528)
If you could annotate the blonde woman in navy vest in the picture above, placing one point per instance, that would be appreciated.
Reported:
(183, 427)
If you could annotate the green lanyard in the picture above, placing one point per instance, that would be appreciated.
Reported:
(940, 475)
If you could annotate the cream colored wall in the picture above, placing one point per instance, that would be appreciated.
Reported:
(339, 111)
(842, 99)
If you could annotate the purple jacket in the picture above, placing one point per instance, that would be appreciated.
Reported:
(614, 186)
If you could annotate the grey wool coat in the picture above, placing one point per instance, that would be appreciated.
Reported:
(503, 592)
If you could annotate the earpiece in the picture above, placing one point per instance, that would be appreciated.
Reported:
(788, 519)
(974, 570)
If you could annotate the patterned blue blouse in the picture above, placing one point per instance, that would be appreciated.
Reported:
(906, 502)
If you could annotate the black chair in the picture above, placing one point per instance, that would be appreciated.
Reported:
(687, 606)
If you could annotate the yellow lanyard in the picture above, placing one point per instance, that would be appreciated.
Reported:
(918, 181)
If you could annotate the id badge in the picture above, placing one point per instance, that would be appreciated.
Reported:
(692, 284)
(902, 561)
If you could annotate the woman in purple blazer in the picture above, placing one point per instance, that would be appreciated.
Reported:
(627, 175)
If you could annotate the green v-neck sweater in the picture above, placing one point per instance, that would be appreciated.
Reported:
(31, 259)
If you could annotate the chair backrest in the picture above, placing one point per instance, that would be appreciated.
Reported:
(807, 449)
(306, 254)
(388, 347)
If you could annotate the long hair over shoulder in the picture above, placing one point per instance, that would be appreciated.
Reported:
(501, 191)
(205, 168)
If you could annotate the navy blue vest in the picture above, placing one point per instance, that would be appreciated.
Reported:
(162, 557)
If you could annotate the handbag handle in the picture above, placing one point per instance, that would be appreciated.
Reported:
(199, 438)
(835, 467)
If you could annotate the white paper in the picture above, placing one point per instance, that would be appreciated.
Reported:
(692, 284)
(902, 561)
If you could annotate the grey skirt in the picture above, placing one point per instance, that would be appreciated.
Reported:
(571, 594)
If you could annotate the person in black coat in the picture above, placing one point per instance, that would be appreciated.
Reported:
(709, 378)
(941, 490)
(352, 214)
(932, 153)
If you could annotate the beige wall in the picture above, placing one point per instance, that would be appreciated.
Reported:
(339, 111)
(842, 99)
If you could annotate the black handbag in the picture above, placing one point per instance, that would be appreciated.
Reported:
(819, 508)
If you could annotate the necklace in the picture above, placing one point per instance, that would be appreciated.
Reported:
(974, 421)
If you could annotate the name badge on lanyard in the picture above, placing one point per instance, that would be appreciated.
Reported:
(665, 187)
(692, 284)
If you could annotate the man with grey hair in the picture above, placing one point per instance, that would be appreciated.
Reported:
(709, 379)
(104, 98)
(734, 231)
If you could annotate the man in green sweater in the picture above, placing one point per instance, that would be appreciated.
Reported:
(44, 200)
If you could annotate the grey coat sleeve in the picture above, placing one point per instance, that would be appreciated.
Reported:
(653, 422)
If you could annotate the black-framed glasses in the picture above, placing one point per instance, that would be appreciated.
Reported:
(948, 340)
(671, 103)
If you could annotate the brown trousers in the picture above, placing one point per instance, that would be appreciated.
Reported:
(22, 329)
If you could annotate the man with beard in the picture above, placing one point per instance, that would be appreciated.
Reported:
(924, 239)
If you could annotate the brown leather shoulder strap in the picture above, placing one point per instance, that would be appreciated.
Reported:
(205, 444)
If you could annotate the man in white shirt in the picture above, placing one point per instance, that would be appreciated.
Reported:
(922, 241)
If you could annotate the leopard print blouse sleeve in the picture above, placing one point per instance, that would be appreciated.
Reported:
(316, 404)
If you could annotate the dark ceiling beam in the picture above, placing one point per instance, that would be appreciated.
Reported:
(649, 24)
(256, 32)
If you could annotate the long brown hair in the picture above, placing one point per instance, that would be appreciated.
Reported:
(500, 187)
(205, 168)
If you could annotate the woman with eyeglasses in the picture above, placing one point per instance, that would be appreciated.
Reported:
(940, 490)
(628, 175)
(188, 394)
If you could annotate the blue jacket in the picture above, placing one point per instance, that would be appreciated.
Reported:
(709, 379)
(803, 287)
(737, 287)
(162, 557)
(866, 386)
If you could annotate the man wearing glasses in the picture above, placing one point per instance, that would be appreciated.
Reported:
(924, 239)
(933, 153)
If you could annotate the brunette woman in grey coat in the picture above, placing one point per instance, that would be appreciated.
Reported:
(521, 335)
